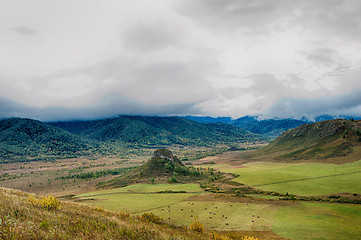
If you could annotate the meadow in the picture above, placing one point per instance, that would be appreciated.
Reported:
(305, 179)
(218, 212)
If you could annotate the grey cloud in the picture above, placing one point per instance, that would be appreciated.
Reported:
(145, 37)
(155, 81)
(110, 106)
(324, 56)
(26, 31)
(343, 104)
(233, 14)
(332, 18)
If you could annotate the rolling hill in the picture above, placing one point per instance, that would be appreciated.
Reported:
(23, 139)
(27, 139)
(324, 140)
(155, 131)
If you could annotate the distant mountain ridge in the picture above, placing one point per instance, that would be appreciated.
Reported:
(27, 139)
(272, 127)
(268, 127)
(145, 130)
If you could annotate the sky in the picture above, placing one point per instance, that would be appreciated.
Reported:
(91, 59)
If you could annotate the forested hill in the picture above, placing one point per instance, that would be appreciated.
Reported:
(268, 127)
(158, 131)
(27, 138)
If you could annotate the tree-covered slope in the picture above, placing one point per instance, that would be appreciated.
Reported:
(320, 140)
(158, 131)
(27, 138)
(268, 127)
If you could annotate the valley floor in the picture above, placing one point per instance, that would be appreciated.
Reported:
(269, 212)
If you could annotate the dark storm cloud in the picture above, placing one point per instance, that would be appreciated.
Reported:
(343, 104)
(24, 31)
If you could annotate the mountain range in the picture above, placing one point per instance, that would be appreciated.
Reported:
(28, 139)
(272, 128)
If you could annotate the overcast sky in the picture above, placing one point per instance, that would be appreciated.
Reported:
(72, 59)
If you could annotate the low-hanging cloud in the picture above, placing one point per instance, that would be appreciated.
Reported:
(110, 106)
(343, 104)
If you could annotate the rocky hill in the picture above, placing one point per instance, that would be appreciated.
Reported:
(162, 167)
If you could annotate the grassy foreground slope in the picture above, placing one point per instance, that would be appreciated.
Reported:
(338, 139)
(25, 216)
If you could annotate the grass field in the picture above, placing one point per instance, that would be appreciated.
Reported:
(221, 215)
(140, 197)
(308, 221)
(298, 220)
(307, 179)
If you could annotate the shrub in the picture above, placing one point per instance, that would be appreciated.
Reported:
(217, 236)
(150, 217)
(50, 202)
(98, 209)
(196, 225)
(249, 238)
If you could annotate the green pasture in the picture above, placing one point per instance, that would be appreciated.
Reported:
(298, 220)
(300, 178)
(139, 197)
(148, 188)
(309, 221)
(221, 215)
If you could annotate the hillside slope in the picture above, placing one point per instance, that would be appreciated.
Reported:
(26, 216)
(27, 138)
(321, 140)
(158, 131)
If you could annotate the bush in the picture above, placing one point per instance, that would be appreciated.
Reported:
(217, 236)
(150, 217)
(249, 238)
(196, 225)
(50, 202)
